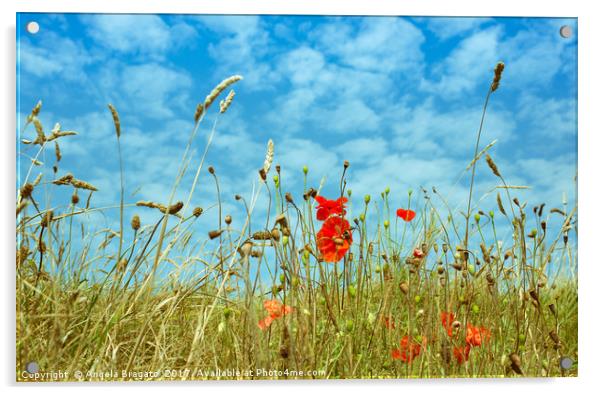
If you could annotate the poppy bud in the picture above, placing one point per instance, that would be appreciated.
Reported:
(275, 234)
(197, 212)
(74, 198)
(404, 287)
(346, 164)
(367, 199)
(278, 169)
(515, 363)
(387, 190)
(215, 234)
(352, 291)
(386, 223)
(211, 170)
(228, 219)
(305, 169)
(135, 222)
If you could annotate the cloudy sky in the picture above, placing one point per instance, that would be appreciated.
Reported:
(400, 98)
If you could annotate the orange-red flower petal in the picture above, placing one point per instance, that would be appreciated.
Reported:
(447, 320)
(406, 215)
(334, 239)
(327, 207)
(475, 336)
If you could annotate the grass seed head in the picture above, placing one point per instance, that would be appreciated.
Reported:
(224, 104)
(26, 191)
(492, 165)
(116, 120)
(497, 76)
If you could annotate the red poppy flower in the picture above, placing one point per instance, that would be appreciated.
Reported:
(327, 207)
(418, 253)
(275, 310)
(461, 353)
(447, 320)
(334, 239)
(389, 323)
(475, 336)
(406, 215)
(408, 350)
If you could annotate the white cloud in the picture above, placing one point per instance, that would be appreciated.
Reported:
(140, 34)
(151, 89)
(241, 48)
(446, 28)
(52, 55)
(466, 66)
(382, 44)
(534, 56)
(551, 118)
(450, 133)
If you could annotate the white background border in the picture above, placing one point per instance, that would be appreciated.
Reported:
(590, 221)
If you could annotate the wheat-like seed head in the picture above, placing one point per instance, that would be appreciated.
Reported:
(269, 157)
(480, 154)
(492, 165)
(40, 131)
(224, 104)
(83, 184)
(499, 68)
(115, 120)
(34, 112)
(57, 151)
(21, 206)
(201, 108)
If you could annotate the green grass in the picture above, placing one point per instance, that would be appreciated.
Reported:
(72, 315)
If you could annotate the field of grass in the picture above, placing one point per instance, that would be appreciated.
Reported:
(315, 292)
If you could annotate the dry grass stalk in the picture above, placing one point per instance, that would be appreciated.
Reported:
(116, 121)
(480, 154)
(513, 187)
(21, 206)
(173, 209)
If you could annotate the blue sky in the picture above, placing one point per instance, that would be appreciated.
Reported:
(400, 98)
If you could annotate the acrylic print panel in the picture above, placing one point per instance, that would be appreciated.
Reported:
(293, 197)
